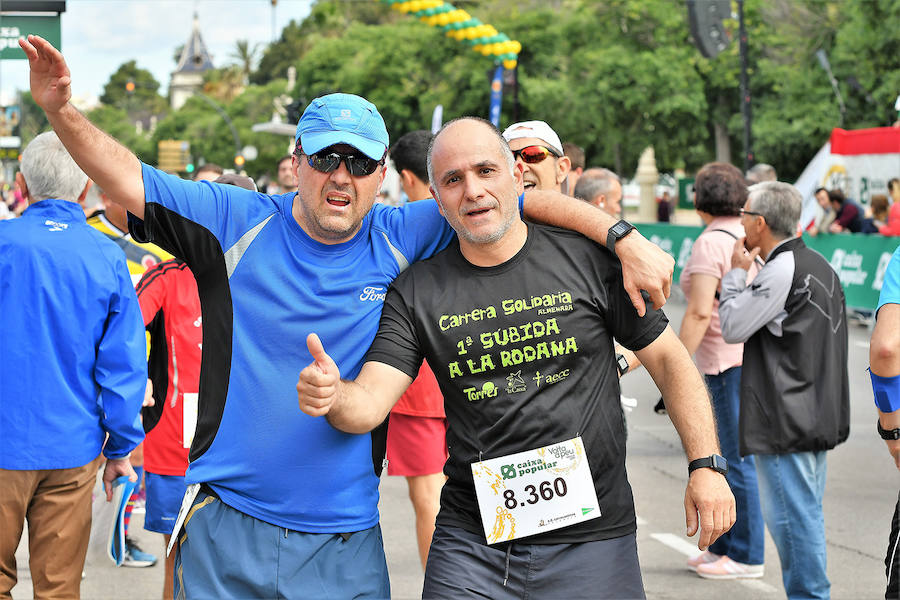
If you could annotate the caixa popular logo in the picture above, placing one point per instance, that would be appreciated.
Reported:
(373, 293)
(508, 471)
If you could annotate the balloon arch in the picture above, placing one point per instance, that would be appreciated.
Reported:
(461, 26)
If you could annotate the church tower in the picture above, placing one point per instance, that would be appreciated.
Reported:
(188, 75)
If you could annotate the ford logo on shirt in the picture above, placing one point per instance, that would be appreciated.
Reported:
(373, 294)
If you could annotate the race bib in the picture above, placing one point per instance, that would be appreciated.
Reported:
(535, 491)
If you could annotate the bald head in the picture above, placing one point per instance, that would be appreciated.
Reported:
(481, 129)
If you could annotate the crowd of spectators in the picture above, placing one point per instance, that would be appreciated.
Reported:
(836, 213)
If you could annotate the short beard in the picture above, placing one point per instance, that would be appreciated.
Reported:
(492, 237)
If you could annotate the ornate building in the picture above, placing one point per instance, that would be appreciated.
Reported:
(188, 75)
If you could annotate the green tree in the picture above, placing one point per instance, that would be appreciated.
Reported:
(211, 138)
(327, 19)
(613, 77)
(117, 123)
(34, 121)
(245, 55)
(144, 99)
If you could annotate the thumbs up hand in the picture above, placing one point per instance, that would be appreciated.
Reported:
(319, 384)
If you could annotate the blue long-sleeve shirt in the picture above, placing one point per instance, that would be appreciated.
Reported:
(72, 342)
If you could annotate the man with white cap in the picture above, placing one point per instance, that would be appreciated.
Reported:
(537, 147)
(297, 498)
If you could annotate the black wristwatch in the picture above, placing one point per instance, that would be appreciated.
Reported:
(616, 233)
(714, 461)
(888, 434)
(621, 364)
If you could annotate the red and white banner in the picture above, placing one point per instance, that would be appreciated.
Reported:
(859, 162)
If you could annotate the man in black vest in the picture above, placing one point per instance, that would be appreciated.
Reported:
(795, 399)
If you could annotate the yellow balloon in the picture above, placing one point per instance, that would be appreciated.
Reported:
(509, 64)
(517, 47)
(443, 20)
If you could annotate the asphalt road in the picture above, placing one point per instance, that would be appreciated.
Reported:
(859, 499)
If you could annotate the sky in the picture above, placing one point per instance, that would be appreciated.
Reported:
(99, 35)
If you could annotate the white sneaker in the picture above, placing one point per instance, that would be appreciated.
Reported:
(725, 568)
(702, 559)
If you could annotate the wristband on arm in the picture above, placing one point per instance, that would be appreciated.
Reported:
(886, 391)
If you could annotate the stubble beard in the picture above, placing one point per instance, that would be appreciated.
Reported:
(318, 227)
(487, 237)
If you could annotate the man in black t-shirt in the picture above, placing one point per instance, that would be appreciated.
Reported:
(517, 322)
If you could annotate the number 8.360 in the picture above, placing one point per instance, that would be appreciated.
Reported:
(545, 490)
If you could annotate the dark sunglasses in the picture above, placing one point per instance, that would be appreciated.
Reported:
(326, 162)
(534, 154)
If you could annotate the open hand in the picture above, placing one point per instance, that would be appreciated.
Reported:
(51, 82)
(319, 383)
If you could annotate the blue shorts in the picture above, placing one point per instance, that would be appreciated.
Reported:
(224, 553)
(164, 495)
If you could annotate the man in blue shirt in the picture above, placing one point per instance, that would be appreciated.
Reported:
(297, 497)
(73, 342)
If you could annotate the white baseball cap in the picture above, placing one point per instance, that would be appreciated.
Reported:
(534, 129)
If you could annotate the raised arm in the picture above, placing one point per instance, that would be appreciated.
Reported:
(353, 406)
(112, 166)
(708, 495)
(645, 266)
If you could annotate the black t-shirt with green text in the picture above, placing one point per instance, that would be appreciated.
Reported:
(523, 353)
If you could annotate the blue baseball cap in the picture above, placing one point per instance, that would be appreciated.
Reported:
(342, 119)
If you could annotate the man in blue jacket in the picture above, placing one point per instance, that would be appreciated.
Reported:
(73, 343)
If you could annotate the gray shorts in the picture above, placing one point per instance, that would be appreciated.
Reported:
(461, 565)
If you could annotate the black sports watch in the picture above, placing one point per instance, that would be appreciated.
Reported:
(714, 461)
(622, 364)
(888, 434)
(616, 233)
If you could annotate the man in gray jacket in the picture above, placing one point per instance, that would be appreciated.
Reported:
(795, 399)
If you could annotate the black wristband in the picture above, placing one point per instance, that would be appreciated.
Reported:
(617, 232)
(714, 461)
(622, 365)
(887, 434)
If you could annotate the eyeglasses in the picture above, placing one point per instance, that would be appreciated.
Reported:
(750, 212)
(534, 154)
(326, 162)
